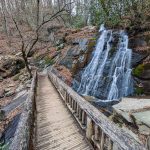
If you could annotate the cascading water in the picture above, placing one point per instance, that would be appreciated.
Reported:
(108, 75)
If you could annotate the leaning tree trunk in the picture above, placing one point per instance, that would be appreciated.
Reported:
(26, 63)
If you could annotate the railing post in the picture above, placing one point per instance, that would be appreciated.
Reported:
(65, 97)
(75, 106)
(97, 133)
(77, 110)
(83, 118)
(80, 113)
(72, 104)
(89, 129)
(110, 144)
(102, 140)
(69, 99)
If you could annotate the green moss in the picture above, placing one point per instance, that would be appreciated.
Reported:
(4, 146)
(138, 70)
(91, 43)
(48, 61)
(111, 52)
(139, 90)
(16, 77)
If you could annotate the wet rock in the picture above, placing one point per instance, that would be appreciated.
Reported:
(137, 58)
(78, 55)
(137, 42)
(89, 98)
(141, 75)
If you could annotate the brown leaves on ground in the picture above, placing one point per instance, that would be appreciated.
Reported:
(65, 73)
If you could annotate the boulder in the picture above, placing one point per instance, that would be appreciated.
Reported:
(2, 93)
(1, 78)
(10, 66)
(141, 75)
(10, 93)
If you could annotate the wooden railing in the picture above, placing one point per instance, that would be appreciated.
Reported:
(23, 138)
(100, 131)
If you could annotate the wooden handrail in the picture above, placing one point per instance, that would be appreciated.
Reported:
(99, 129)
(23, 138)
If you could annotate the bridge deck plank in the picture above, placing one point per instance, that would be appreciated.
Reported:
(56, 128)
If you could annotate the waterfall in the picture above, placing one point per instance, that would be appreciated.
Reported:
(108, 75)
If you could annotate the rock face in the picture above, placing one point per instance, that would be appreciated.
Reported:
(78, 55)
(72, 50)
(140, 44)
(10, 65)
(134, 112)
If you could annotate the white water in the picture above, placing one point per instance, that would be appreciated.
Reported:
(105, 76)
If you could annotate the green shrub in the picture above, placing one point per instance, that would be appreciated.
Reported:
(138, 70)
(78, 22)
(139, 90)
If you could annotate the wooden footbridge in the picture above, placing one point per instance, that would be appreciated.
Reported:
(63, 120)
(56, 128)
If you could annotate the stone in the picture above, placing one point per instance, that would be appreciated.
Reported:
(132, 104)
(21, 77)
(1, 78)
(10, 93)
(20, 88)
(143, 117)
(89, 98)
(129, 106)
(143, 129)
(7, 89)
(19, 54)
(11, 65)
(2, 93)
(11, 85)
(28, 85)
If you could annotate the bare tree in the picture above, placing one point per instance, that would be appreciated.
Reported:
(27, 47)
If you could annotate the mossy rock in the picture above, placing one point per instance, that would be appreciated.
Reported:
(48, 61)
(112, 51)
(138, 70)
(16, 77)
(139, 90)
(91, 43)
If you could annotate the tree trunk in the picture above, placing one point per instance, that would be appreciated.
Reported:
(26, 63)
